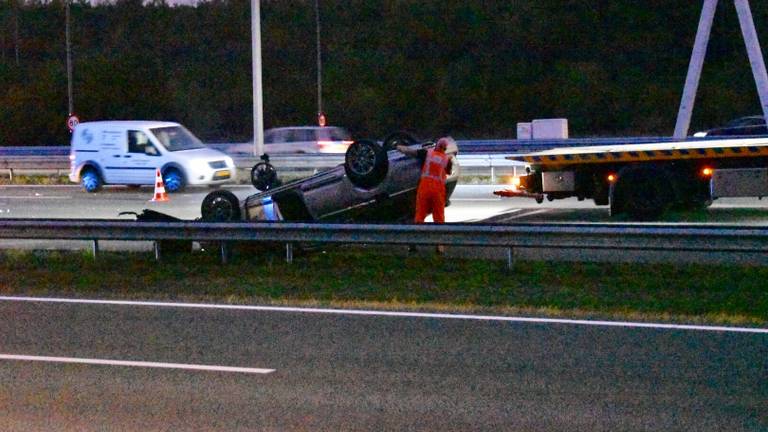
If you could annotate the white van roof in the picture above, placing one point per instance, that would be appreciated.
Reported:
(129, 123)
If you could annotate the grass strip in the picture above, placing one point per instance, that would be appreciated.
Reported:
(689, 293)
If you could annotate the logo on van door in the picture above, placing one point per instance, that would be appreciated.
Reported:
(87, 136)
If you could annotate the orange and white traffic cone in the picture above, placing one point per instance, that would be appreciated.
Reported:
(160, 193)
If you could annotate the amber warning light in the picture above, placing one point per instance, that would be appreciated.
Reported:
(707, 171)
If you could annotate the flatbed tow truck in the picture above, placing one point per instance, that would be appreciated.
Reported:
(644, 180)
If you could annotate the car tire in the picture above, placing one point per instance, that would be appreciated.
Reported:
(91, 180)
(264, 176)
(366, 163)
(398, 138)
(220, 206)
(173, 180)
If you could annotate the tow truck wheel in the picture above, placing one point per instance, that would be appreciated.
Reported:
(220, 206)
(366, 163)
(642, 192)
(264, 176)
(398, 138)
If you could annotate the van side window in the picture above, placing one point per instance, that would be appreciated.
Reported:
(138, 142)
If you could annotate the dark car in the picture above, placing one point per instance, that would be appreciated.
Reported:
(374, 184)
(750, 125)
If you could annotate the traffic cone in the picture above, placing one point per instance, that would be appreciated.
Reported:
(160, 193)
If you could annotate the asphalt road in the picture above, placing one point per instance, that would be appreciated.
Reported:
(469, 203)
(336, 371)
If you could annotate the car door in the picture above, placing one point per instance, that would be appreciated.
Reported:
(112, 144)
(142, 158)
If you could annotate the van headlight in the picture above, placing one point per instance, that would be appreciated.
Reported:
(199, 165)
(220, 164)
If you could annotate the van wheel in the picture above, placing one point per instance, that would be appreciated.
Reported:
(90, 180)
(366, 164)
(173, 180)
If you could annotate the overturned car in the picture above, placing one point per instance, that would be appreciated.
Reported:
(376, 183)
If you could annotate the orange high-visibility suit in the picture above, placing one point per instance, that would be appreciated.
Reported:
(430, 195)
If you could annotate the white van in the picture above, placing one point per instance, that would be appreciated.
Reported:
(129, 152)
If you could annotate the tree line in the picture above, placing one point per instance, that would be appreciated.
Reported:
(471, 69)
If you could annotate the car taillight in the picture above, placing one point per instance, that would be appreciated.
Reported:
(333, 146)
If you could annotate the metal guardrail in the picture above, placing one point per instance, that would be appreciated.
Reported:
(468, 146)
(58, 164)
(488, 153)
(701, 238)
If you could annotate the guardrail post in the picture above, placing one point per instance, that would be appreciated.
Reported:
(289, 253)
(510, 257)
(10, 175)
(157, 250)
(95, 248)
(224, 252)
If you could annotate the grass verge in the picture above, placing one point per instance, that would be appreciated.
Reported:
(344, 277)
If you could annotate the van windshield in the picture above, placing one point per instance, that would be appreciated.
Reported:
(177, 138)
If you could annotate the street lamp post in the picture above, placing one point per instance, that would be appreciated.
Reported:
(320, 114)
(69, 60)
(258, 116)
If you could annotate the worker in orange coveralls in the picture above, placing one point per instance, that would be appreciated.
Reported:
(430, 195)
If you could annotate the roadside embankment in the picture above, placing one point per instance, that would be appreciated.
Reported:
(341, 277)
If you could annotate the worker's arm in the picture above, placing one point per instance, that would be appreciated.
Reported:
(449, 167)
(408, 151)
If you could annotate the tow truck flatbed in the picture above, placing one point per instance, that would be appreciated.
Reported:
(661, 151)
(643, 180)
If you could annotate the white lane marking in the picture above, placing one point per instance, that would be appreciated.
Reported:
(394, 314)
(88, 361)
(9, 197)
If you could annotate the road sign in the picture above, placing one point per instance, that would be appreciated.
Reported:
(72, 122)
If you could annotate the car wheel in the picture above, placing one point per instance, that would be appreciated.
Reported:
(173, 180)
(220, 206)
(366, 163)
(90, 180)
(398, 138)
(264, 176)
